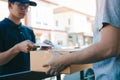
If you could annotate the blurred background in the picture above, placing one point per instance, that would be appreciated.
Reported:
(68, 23)
(64, 22)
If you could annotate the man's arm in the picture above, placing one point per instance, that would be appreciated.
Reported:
(6, 56)
(24, 46)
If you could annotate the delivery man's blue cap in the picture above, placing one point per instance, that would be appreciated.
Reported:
(32, 3)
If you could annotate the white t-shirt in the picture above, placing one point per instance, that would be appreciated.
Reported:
(108, 11)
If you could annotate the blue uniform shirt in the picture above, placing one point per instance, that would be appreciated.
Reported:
(12, 34)
(108, 11)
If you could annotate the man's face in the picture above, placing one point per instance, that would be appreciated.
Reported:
(18, 9)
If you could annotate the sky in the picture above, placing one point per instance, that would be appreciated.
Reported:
(85, 6)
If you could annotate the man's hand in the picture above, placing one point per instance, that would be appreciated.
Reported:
(25, 46)
(56, 64)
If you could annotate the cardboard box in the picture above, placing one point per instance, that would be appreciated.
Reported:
(38, 58)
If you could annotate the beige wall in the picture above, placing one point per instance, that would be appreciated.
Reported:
(3, 10)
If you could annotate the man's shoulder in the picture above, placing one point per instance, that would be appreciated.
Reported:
(3, 23)
(3, 27)
(27, 28)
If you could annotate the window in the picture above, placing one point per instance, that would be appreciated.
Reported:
(69, 21)
(57, 24)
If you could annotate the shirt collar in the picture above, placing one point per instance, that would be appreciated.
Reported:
(13, 25)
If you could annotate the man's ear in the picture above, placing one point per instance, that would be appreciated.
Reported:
(9, 5)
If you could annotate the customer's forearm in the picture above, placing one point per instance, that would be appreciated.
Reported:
(91, 54)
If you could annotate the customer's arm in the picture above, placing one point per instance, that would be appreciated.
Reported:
(107, 47)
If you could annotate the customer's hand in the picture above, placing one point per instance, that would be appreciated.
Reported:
(56, 64)
(25, 46)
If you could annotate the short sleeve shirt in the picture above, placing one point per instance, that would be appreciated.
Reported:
(10, 35)
(108, 11)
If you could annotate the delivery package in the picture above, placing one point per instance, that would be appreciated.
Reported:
(38, 58)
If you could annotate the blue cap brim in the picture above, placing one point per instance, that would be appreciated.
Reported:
(31, 3)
